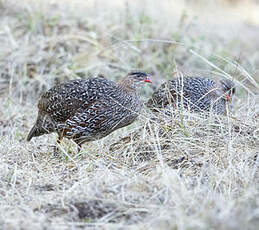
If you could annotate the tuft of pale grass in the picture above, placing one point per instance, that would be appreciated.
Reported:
(169, 170)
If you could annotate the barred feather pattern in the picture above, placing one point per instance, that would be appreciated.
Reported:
(87, 110)
(194, 93)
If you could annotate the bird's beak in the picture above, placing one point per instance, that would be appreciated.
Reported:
(148, 80)
(228, 98)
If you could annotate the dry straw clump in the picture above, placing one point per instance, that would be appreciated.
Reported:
(169, 170)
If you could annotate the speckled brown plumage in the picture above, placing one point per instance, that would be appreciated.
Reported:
(194, 93)
(87, 110)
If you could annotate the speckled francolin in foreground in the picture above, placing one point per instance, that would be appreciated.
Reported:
(194, 93)
(87, 110)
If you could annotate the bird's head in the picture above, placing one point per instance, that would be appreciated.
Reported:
(139, 76)
(228, 88)
(134, 79)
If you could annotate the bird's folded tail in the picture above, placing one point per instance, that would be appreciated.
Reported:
(32, 133)
(37, 131)
(43, 125)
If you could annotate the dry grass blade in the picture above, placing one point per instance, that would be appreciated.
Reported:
(170, 170)
(223, 73)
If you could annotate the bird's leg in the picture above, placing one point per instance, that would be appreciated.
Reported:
(59, 139)
(79, 148)
(56, 146)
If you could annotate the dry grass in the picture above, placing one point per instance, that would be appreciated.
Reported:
(183, 171)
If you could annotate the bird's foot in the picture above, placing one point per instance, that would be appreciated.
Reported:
(56, 151)
(79, 148)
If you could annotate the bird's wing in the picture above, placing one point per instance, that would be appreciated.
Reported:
(168, 93)
(96, 118)
(63, 101)
(159, 98)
